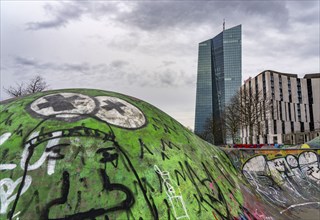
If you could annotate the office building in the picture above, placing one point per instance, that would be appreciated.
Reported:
(218, 78)
(293, 113)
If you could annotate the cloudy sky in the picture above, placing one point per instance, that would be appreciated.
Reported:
(148, 49)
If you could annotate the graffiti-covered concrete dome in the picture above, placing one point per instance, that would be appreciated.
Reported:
(91, 154)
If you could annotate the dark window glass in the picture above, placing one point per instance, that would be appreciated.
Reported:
(301, 126)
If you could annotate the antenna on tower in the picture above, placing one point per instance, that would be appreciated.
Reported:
(224, 24)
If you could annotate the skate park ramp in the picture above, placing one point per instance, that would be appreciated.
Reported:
(92, 154)
(287, 179)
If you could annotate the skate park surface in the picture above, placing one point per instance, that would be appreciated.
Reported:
(93, 154)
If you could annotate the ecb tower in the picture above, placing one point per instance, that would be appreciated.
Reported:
(218, 78)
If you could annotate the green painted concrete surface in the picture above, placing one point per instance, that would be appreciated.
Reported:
(91, 154)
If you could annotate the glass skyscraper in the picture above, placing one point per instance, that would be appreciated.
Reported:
(219, 77)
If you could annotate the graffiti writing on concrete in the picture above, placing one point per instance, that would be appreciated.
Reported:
(4, 137)
(8, 187)
(282, 179)
(88, 156)
(173, 194)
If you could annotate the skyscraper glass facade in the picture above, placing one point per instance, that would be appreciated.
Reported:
(219, 76)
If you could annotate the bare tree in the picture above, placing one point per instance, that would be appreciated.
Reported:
(254, 108)
(16, 91)
(247, 110)
(36, 84)
(232, 118)
(213, 127)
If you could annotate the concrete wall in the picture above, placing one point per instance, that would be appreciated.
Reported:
(286, 178)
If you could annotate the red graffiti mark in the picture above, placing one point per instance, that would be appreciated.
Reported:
(259, 216)
(247, 216)
(219, 177)
(211, 186)
(214, 215)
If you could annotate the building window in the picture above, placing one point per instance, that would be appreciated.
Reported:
(310, 95)
(285, 111)
(310, 100)
(264, 85)
(299, 112)
(289, 89)
(275, 139)
(299, 90)
(289, 111)
(272, 85)
(305, 113)
(302, 126)
(280, 110)
(280, 88)
(311, 125)
(265, 139)
(275, 126)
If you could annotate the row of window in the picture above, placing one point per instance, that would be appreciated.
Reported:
(283, 128)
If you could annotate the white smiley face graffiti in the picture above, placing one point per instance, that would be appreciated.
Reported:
(75, 106)
(120, 113)
(63, 105)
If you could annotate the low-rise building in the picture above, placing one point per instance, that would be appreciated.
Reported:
(291, 108)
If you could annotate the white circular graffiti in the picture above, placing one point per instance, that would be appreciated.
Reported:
(63, 105)
(120, 113)
(292, 161)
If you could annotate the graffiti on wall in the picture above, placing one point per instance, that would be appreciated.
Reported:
(285, 180)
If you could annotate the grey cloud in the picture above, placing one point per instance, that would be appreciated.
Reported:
(172, 78)
(63, 13)
(118, 71)
(25, 61)
(56, 23)
(165, 14)
(36, 64)
(162, 78)
(118, 63)
(168, 63)
(310, 13)
(308, 19)
(81, 67)
(186, 14)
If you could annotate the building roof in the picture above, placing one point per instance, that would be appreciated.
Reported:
(284, 74)
(312, 76)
